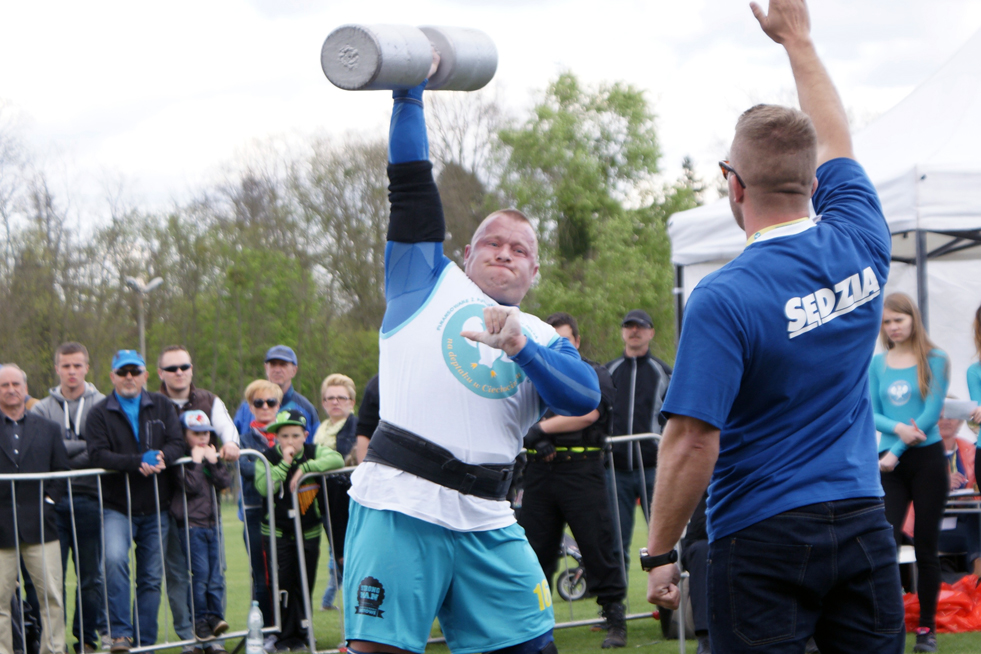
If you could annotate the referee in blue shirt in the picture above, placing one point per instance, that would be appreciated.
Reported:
(770, 398)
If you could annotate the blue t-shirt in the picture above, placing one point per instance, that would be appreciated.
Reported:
(974, 381)
(896, 398)
(775, 350)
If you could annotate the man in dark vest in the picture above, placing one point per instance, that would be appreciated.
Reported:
(176, 372)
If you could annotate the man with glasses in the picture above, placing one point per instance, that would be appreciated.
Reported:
(770, 395)
(176, 373)
(281, 366)
(138, 433)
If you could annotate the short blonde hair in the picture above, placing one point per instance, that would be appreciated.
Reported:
(338, 379)
(263, 386)
(776, 149)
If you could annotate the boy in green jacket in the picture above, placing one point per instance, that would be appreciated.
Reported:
(289, 460)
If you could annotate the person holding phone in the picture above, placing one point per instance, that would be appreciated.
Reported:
(138, 433)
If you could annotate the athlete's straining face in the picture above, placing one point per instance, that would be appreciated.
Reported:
(898, 326)
(502, 258)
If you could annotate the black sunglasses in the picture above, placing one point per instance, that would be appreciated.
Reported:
(726, 169)
(183, 367)
(271, 402)
(128, 371)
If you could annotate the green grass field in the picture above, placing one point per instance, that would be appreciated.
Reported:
(641, 633)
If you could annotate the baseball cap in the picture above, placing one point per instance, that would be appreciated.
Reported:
(638, 316)
(289, 417)
(196, 421)
(127, 358)
(283, 353)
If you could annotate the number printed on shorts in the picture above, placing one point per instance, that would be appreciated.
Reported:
(544, 595)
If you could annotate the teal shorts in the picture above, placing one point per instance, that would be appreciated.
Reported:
(400, 573)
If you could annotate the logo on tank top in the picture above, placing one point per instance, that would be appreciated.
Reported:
(899, 392)
(484, 370)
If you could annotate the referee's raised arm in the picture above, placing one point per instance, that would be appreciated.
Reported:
(787, 23)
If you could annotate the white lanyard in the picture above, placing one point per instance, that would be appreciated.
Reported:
(78, 414)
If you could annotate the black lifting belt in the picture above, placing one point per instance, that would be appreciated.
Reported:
(398, 448)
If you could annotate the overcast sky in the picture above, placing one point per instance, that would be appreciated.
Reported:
(163, 95)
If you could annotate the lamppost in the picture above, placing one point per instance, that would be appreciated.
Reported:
(141, 290)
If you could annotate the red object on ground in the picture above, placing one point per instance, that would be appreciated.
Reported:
(958, 607)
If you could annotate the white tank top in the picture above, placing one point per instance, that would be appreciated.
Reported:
(460, 394)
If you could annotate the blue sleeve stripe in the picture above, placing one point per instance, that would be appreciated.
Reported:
(398, 307)
(567, 384)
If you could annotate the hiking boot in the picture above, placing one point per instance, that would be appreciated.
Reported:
(616, 618)
(121, 644)
(217, 625)
(926, 640)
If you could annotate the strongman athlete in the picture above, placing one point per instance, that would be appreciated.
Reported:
(463, 375)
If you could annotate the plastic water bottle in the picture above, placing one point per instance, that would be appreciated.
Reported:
(253, 641)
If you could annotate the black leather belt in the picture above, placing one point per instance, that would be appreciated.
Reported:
(398, 448)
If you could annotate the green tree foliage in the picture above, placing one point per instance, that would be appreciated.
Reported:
(583, 167)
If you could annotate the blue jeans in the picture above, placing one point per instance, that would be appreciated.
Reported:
(332, 580)
(825, 570)
(149, 532)
(629, 488)
(207, 580)
(90, 613)
(178, 582)
(965, 537)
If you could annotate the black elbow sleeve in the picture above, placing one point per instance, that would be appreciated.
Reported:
(417, 212)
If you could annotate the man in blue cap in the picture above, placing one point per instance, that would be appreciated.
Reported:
(138, 433)
(281, 366)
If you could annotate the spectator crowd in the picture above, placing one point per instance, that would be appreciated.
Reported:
(169, 510)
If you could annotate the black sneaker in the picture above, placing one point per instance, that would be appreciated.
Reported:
(926, 640)
(218, 626)
(203, 630)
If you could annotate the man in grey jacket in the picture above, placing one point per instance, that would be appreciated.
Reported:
(68, 404)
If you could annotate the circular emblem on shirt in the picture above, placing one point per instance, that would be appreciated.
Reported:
(484, 370)
(899, 392)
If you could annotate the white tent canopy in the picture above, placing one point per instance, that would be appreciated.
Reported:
(924, 157)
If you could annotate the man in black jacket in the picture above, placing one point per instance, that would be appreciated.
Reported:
(29, 444)
(641, 383)
(137, 433)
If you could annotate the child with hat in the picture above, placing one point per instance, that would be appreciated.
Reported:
(196, 500)
(289, 460)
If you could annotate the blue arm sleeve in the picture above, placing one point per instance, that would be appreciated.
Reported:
(882, 423)
(974, 382)
(407, 139)
(934, 402)
(567, 384)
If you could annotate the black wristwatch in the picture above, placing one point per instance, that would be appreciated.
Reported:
(648, 562)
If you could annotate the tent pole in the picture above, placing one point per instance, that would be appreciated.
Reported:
(922, 291)
(679, 301)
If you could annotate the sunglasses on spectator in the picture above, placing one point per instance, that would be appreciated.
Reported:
(271, 402)
(726, 169)
(131, 371)
(184, 367)
(336, 398)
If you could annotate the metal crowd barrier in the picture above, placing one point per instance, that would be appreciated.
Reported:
(71, 475)
(559, 625)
